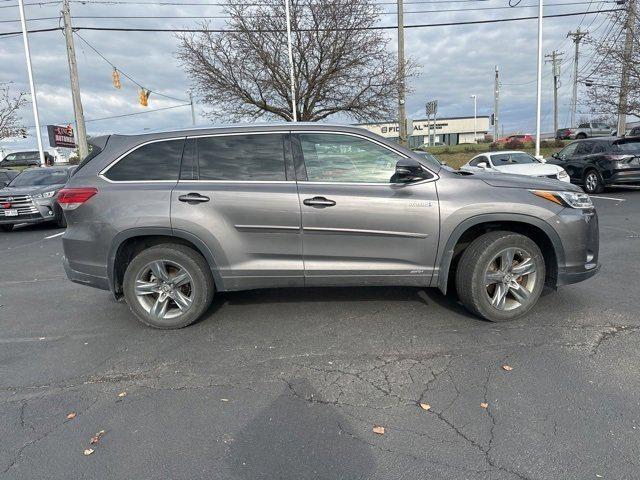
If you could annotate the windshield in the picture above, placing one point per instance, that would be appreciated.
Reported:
(512, 158)
(32, 178)
(21, 156)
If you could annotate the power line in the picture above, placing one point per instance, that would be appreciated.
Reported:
(226, 17)
(386, 27)
(124, 73)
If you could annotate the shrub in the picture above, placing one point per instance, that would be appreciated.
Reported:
(545, 144)
(495, 146)
(514, 144)
(558, 143)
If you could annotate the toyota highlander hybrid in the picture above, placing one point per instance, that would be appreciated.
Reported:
(166, 220)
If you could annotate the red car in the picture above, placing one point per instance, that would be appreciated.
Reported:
(524, 138)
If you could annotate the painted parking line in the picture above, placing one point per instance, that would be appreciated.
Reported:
(54, 236)
(608, 198)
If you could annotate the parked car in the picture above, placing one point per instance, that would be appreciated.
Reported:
(598, 162)
(25, 159)
(31, 197)
(634, 132)
(585, 130)
(168, 219)
(515, 163)
(6, 176)
(524, 138)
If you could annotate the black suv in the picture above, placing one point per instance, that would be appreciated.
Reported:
(598, 162)
(25, 159)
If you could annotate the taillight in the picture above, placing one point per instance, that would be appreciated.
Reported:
(72, 198)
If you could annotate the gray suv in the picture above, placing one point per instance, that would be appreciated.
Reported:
(166, 220)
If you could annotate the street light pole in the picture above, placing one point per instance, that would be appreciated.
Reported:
(539, 77)
(475, 117)
(34, 100)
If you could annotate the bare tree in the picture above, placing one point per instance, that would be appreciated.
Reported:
(10, 125)
(603, 76)
(341, 65)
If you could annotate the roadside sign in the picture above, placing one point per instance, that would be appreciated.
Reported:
(60, 136)
(432, 107)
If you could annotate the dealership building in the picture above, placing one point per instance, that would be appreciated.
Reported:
(450, 131)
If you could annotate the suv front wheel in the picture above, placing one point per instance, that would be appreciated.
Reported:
(500, 276)
(168, 286)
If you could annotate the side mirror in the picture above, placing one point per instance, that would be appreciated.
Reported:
(483, 165)
(408, 170)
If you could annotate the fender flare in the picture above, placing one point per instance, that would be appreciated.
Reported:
(447, 255)
(125, 235)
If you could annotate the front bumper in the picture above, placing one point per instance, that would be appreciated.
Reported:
(580, 236)
(30, 210)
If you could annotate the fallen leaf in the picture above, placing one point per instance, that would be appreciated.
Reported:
(507, 368)
(96, 438)
(88, 451)
(71, 415)
(224, 399)
(484, 405)
(122, 394)
(425, 406)
(378, 429)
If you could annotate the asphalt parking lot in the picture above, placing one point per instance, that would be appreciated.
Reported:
(290, 383)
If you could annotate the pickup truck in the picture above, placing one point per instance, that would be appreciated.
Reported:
(584, 130)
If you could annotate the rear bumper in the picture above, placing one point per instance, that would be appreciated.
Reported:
(85, 278)
(622, 177)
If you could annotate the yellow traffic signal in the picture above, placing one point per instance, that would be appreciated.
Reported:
(144, 97)
(116, 79)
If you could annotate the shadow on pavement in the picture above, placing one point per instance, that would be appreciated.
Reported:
(296, 438)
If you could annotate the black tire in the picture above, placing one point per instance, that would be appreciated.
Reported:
(7, 228)
(592, 182)
(201, 289)
(581, 136)
(61, 221)
(477, 258)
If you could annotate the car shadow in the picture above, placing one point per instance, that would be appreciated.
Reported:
(299, 436)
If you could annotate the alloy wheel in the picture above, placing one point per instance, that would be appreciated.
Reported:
(591, 181)
(510, 279)
(164, 289)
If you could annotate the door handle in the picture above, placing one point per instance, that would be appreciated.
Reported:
(193, 198)
(319, 202)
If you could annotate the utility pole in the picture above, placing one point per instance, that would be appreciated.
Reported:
(83, 149)
(402, 111)
(627, 55)
(577, 36)
(34, 100)
(193, 110)
(555, 66)
(539, 77)
(294, 102)
(496, 100)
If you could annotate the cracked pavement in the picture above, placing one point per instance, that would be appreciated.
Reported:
(289, 383)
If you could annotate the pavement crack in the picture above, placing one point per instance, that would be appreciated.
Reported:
(609, 333)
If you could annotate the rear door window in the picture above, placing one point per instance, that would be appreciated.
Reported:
(251, 157)
(584, 148)
(627, 147)
(157, 161)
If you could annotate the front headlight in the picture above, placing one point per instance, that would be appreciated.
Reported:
(566, 199)
(50, 194)
(562, 174)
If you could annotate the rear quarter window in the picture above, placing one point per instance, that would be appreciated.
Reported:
(155, 161)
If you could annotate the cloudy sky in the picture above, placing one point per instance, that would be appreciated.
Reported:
(456, 61)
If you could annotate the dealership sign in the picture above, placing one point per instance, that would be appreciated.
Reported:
(61, 136)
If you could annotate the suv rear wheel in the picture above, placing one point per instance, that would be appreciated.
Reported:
(168, 286)
(500, 276)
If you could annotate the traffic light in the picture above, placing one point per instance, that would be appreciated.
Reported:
(116, 79)
(144, 97)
